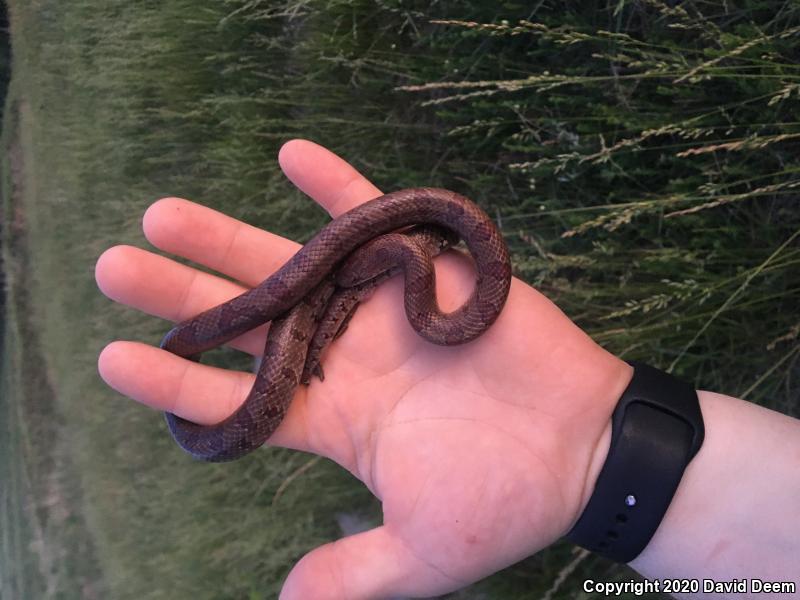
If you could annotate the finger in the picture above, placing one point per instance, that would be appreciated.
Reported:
(164, 288)
(328, 179)
(372, 564)
(210, 238)
(199, 393)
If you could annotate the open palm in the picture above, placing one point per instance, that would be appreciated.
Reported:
(481, 454)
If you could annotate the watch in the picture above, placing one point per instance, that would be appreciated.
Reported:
(656, 430)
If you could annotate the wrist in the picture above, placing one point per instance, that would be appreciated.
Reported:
(700, 489)
(616, 380)
(734, 513)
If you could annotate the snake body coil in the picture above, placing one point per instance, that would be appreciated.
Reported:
(297, 297)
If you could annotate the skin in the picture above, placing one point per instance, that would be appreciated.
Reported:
(481, 454)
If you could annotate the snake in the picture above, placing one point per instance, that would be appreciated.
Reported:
(310, 299)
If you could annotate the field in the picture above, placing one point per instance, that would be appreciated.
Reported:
(640, 158)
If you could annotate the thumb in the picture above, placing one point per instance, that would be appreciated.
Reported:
(370, 565)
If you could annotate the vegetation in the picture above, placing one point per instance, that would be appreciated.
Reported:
(639, 156)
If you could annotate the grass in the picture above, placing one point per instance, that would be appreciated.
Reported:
(641, 160)
(47, 551)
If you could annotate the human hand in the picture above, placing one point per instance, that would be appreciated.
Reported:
(481, 454)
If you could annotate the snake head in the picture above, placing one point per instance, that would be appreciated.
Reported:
(435, 238)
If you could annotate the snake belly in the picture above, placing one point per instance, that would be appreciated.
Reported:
(296, 297)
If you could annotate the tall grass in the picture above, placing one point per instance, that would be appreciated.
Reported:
(641, 160)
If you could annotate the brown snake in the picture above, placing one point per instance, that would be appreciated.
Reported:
(318, 289)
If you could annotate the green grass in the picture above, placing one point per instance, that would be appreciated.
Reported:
(18, 565)
(598, 120)
(47, 550)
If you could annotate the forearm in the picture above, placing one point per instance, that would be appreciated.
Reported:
(736, 513)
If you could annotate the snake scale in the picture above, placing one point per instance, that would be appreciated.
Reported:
(312, 296)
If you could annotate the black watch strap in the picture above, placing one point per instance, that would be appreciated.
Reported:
(656, 429)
